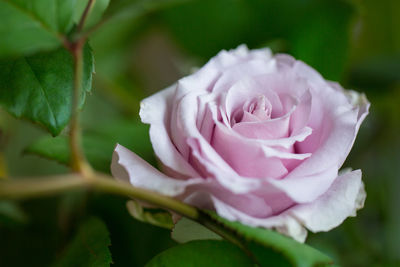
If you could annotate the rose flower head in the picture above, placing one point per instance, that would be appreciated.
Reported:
(259, 138)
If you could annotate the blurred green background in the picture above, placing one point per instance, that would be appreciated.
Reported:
(354, 42)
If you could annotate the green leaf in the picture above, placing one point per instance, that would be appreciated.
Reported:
(39, 87)
(64, 13)
(35, 25)
(186, 230)
(99, 144)
(158, 218)
(202, 253)
(41, 25)
(270, 248)
(89, 247)
(23, 31)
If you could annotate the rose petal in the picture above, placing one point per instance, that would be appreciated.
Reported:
(178, 133)
(283, 83)
(301, 115)
(283, 223)
(249, 157)
(286, 142)
(217, 168)
(206, 126)
(204, 153)
(226, 59)
(360, 103)
(244, 70)
(129, 167)
(271, 152)
(269, 129)
(251, 204)
(246, 159)
(240, 91)
(205, 78)
(154, 110)
(343, 199)
(332, 137)
(311, 75)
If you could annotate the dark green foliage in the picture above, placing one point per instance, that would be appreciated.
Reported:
(265, 247)
(39, 87)
(202, 253)
(269, 248)
(31, 26)
(89, 247)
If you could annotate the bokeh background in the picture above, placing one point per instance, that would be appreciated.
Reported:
(354, 42)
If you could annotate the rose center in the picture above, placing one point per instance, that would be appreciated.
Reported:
(261, 108)
(258, 109)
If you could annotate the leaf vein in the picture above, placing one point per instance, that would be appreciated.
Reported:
(43, 92)
(35, 18)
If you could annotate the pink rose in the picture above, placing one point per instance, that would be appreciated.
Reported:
(257, 138)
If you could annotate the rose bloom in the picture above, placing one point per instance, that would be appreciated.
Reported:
(257, 138)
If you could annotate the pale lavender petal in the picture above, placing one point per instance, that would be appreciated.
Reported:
(283, 83)
(284, 223)
(343, 199)
(251, 204)
(129, 167)
(249, 157)
(285, 142)
(269, 129)
(356, 99)
(245, 70)
(311, 75)
(205, 123)
(301, 115)
(272, 152)
(218, 169)
(306, 188)
(329, 145)
(205, 78)
(154, 110)
(246, 159)
(360, 103)
(226, 59)
(247, 89)
(207, 159)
